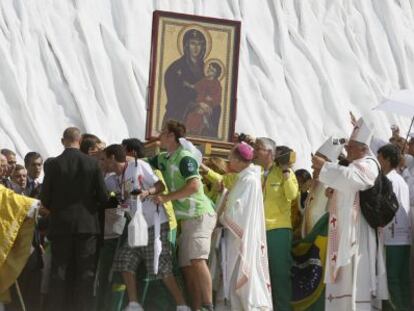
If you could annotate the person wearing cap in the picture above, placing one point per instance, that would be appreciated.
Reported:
(193, 209)
(397, 234)
(246, 281)
(280, 188)
(355, 274)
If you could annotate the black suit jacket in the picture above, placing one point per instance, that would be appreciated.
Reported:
(74, 191)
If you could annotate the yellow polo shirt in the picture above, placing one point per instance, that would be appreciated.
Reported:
(215, 178)
(278, 194)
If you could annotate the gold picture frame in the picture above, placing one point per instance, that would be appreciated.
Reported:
(193, 76)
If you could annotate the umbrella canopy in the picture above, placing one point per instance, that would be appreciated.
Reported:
(400, 102)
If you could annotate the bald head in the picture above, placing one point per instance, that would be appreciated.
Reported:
(71, 137)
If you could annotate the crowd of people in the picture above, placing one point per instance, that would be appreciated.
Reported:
(243, 233)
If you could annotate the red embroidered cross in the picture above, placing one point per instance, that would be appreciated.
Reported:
(333, 221)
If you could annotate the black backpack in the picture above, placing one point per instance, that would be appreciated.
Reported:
(379, 203)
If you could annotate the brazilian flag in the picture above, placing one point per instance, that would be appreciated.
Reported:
(309, 255)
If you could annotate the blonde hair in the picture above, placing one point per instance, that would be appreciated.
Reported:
(217, 164)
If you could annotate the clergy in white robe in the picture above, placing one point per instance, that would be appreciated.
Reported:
(355, 273)
(309, 254)
(316, 202)
(246, 282)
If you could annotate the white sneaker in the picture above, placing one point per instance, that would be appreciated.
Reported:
(183, 308)
(134, 306)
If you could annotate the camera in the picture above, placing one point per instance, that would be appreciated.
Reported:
(338, 141)
(136, 192)
(242, 137)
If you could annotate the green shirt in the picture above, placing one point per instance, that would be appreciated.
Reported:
(177, 169)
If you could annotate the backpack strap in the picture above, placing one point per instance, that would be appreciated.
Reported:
(376, 162)
(379, 171)
(376, 230)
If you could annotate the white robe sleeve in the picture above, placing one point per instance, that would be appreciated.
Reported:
(33, 208)
(357, 176)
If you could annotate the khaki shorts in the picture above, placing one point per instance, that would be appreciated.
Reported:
(195, 238)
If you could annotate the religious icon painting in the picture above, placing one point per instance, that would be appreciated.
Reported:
(193, 75)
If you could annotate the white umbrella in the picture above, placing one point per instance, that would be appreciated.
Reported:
(400, 102)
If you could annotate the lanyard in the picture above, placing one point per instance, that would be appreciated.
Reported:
(122, 183)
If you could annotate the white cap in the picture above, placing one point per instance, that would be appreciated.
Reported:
(332, 148)
(361, 133)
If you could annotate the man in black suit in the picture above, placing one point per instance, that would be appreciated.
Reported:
(74, 192)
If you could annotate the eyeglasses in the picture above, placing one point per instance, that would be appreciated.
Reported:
(260, 148)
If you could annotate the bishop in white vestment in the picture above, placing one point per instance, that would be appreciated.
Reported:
(355, 273)
(246, 282)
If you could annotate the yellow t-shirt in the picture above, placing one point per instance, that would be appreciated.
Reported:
(215, 178)
(169, 210)
(278, 194)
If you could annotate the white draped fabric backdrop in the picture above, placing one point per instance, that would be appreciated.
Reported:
(304, 64)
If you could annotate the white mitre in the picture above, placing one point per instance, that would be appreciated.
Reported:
(362, 133)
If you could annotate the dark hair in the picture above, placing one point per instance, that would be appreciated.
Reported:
(194, 34)
(90, 137)
(6, 152)
(31, 156)
(117, 151)
(391, 153)
(282, 150)
(86, 144)
(303, 175)
(134, 145)
(177, 128)
(217, 67)
(72, 134)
